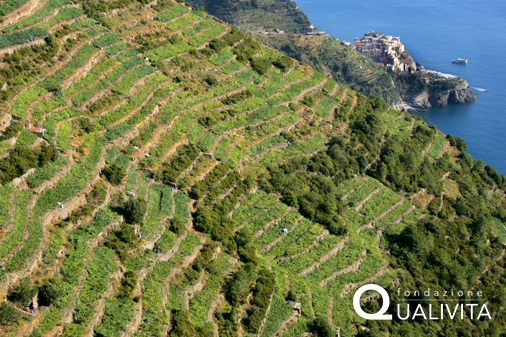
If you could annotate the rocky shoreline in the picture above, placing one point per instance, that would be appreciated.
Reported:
(461, 94)
(391, 53)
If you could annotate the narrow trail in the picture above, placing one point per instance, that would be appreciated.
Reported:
(428, 148)
(137, 318)
(26, 10)
(314, 244)
(257, 234)
(488, 267)
(442, 202)
(266, 315)
(414, 196)
(190, 292)
(351, 268)
(310, 296)
(350, 286)
(286, 324)
(59, 64)
(371, 224)
(354, 189)
(399, 219)
(446, 148)
(366, 199)
(254, 216)
(446, 175)
(202, 175)
(338, 247)
(267, 247)
(219, 301)
(354, 104)
(318, 86)
(99, 309)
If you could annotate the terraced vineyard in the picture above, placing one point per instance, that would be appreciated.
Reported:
(164, 174)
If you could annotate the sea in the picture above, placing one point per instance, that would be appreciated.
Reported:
(434, 33)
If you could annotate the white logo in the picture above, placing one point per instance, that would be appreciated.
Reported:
(380, 315)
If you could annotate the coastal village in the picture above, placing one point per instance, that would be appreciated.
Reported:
(382, 48)
(386, 50)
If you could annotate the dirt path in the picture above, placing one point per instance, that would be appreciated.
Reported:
(257, 234)
(381, 216)
(487, 268)
(446, 175)
(338, 247)
(350, 286)
(354, 104)
(354, 189)
(428, 147)
(399, 219)
(445, 148)
(351, 268)
(267, 247)
(266, 314)
(26, 10)
(137, 318)
(99, 309)
(286, 324)
(219, 301)
(363, 201)
(315, 243)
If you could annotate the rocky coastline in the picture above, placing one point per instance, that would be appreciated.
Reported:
(460, 94)
(389, 52)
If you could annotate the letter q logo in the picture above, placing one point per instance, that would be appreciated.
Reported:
(380, 315)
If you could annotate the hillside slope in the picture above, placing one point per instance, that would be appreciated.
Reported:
(258, 14)
(281, 24)
(164, 174)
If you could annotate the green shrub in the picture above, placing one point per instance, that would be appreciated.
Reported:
(134, 210)
(114, 174)
(177, 225)
(308, 101)
(23, 292)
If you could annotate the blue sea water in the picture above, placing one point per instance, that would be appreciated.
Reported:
(434, 33)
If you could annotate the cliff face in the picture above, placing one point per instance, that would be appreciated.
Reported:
(404, 64)
(461, 94)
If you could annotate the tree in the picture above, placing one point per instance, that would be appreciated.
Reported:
(11, 131)
(114, 174)
(7, 314)
(181, 325)
(243, 237)
(308, 101)
(85, 124)
(125, 233)
(323, 328)
(239, 286)
(23, 292)
(338, 228)
(461, 208)
(128, 284)
(134, 210)
(291, 199)
(362, 162)
(284, 62)
(49, 293)
(291, 296)
(177, 225)
(260, 65)
(330, 204)
(211, 80)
